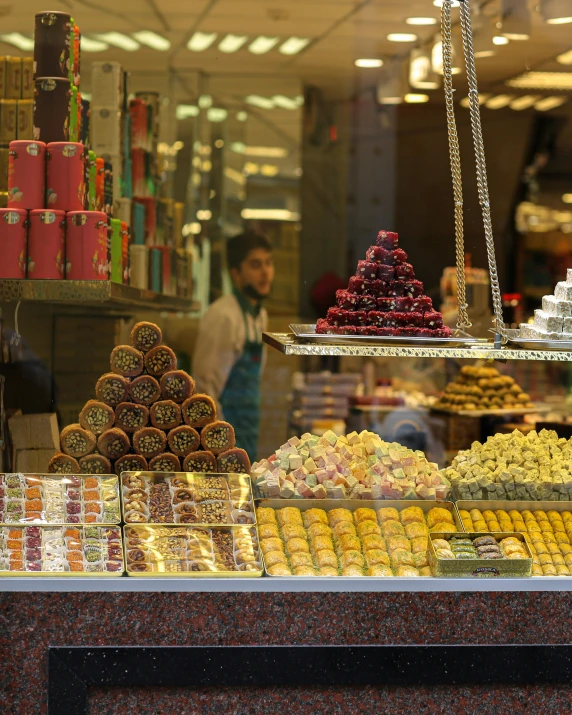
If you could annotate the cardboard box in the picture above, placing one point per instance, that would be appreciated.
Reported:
(33, 461)
(35, 432)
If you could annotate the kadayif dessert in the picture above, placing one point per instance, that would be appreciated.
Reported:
(554, 320)
(514, 466)
(384, 298)
(356, 466)
(136, 423)
(483, 388)
(339, 542)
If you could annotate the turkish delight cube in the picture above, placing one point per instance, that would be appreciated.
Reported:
(563, 291)
(387, 239)
(547, 323)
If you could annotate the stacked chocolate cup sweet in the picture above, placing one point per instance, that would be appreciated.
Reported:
(384, 298)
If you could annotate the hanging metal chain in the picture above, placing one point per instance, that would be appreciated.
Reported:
(482, 182)
(455, 158)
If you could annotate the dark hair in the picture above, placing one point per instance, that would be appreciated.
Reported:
(238, 247)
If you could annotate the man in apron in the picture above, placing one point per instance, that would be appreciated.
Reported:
(228, 357)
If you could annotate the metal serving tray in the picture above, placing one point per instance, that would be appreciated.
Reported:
(352, 505)
(38, 480)
(307, 331)
(530, 344)
(151, 532)
(480, 568)
(243, 485)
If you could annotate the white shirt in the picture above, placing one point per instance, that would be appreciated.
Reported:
(220, 343)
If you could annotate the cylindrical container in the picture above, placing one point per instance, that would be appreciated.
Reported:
(87, 246)
(13, 234)
(27, 175)
(138, 223)
(4, 164)
(25, 128)
(108, 182)
(65, 176)
(85, 113)
(27, 78)
(127, 182)
(52, 44)
(156, 270)
(75, 114)
(152, 100)
(178, 223)
(105, 130)
(125, 252)
(46, 244)
(116, 251)
(139, 266)
(52, 100)
(116, 163)
(122, 210)
(106, 84)
(138, 177)
(91, 172)
(150, 218)
(138, 114)
(76, 55)
(13, 77)
(8, 120)
(168, 278)
(99, 184)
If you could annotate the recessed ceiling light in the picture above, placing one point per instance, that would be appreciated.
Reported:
(500, 40)
(89, 45)
(270, 215)
(567, 198)
(548, 103)
(216, 114)
(412, 98)
(421, 75)
(273, 152)
(421, 21)
(516, 36)
(559, 21)
(201, 41)
(184, 111)
(524, 102)
(293, 45)
(566, 58)
(242, 116)
(364, 62)
(401, 37)
(542, 80)
(257, 101)
(498, 102)
(232, 43)
(269, 170)
(153, 40)
(118, 39)
(261, 45)
(20, 41)
(205, 101)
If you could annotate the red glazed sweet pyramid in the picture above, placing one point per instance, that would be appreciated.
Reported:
(384, 298)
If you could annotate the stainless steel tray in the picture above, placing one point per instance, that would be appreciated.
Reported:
(308, 332)
(530, 344)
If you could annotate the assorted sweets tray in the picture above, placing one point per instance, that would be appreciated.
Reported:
(64, 550)
(546, 525)
(187, 498)
(350, 538)
(307, 331)
(59, 499)
(480, 555)
(192, 551)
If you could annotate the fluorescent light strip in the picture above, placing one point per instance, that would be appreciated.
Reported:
(499, 102)
(548, 103)
(18, 40)
(294, 45)
(525, 102)
(118, 39)
(89, 45)
(184, 111)
(216, 114)
(235, 176)
(270, 214)
(402, 37)
(261, 102)
(416, 98)
(232, 43)
(261, 45)
(368, 63)
(152, 40)
(201, 41)
(272, 152)
(500, 40)
(283, 102)
(542, 80)
(566, 58)
(421, 21)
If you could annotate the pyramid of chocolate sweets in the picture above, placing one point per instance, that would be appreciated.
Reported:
(148, 417)
(384, 298)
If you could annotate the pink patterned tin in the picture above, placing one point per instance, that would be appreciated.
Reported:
(13, 234)
(26, 175)
(65, 176)
(46, 244)
(87, 246)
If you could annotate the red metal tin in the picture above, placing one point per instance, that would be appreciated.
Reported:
(26, 175)
(13, 249)
(87, 246)
(52, 44)
(65, 176)
(46, 244)
(138, 114)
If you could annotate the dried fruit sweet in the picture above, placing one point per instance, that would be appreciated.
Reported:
(77, 441)
(96, 417)
(200, 462)
(112, 389)
(165, 415)
(145, 336)
(130, 417)
(160, 360)
(218, 437)
(113, 443)
(61, 463)
(177, 385)
(183, 440)
(95, 464)
(149, 442)
(126, 361)
(199, 410)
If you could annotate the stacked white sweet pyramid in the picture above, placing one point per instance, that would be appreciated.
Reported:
(554, 320)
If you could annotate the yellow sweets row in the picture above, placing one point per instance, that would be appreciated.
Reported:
(549, 534)
(340, 542)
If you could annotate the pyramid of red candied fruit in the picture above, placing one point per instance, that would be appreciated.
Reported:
(384, 298)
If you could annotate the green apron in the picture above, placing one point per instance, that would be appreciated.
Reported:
(240, 398)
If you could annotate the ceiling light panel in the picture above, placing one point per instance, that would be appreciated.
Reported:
(542, 80)
(294, 45)
(152, 39)
(525, 102)
(548, 103)
(500, 40)
(499, 102)
(261, 45)
(89, 45)
(201, 41)
(18, 40)
(556, 12)
(402, 37)
(421, 21)
(412, 98)
(566, 58)
(118, 39)
(368, 63)
(256, 100)
(232, 43)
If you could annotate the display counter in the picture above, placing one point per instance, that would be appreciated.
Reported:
(175, 645)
